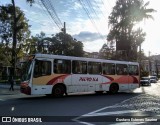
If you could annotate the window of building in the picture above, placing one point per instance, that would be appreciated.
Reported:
(121, 69)
(62, 66)
(42, 68)
(108, 68)
(94, 68)
(79, 67)
(133, 70)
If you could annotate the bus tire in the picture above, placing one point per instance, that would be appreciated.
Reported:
(113, 89)
(58, 90)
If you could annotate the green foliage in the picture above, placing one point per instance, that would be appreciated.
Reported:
(107, 52)
(60, 44)
(6, 32)
(144, 73)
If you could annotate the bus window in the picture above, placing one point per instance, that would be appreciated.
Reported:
(133, 70)
(42, 68)
(94, 68)
(121, 69)
(62, 66)
(108, 68)
(79, 67)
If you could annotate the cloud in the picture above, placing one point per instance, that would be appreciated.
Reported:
(88, 36)
(94, 46)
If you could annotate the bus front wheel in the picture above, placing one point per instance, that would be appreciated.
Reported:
(113, 88)
(58, 91)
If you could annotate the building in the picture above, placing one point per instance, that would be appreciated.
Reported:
(152, 65)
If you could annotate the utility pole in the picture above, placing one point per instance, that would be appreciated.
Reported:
(64, 28)
(14, 39)
(64, 33)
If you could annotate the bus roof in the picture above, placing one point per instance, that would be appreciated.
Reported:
(51, 56)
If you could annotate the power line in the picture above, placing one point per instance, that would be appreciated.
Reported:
(90, 17)
(53, 14)
(44, 11)
(97, 7)
(52, 7)
(104, 6)
(93, 10)
(90, 5)
(46, 5)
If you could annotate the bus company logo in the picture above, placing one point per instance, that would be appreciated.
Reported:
(88, 79)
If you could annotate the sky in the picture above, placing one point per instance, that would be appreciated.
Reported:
(92, 30)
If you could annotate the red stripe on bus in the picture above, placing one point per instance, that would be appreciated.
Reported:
(135, 80)
(108, 77)
(122, 80)
(52, 81)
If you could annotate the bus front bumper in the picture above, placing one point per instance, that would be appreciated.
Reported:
(24, 88)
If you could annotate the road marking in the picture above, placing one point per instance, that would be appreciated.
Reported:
(12, 109)
(94, 113)
(114, 106)
(107, 114)
(128, 123)
(111, 113)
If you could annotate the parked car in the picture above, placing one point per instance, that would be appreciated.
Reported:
(153, 79)
(145, 81)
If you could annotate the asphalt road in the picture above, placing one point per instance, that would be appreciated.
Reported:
(137, 107)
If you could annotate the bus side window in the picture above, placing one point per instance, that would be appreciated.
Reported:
(42, 68)
(133, 70)
(79, 67)
(122, 69)
(108, 68)
(94, 68)
(62, 66)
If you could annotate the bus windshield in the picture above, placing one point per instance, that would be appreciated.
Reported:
(27, 71)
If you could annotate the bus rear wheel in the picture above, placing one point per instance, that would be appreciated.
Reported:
(58, 91)
(113, 88)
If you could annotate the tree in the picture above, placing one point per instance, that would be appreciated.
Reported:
(125, 14)
(6, 31)
(16, 29)
(107, 52)
(64, 44)
(78, 48)
(58, 44)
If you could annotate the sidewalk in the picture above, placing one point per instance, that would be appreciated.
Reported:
(4, 89)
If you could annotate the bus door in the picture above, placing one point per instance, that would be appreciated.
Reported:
(41, 76)
(122, 77)
(62, 72)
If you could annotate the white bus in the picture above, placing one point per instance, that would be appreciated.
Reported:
(59, 75)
